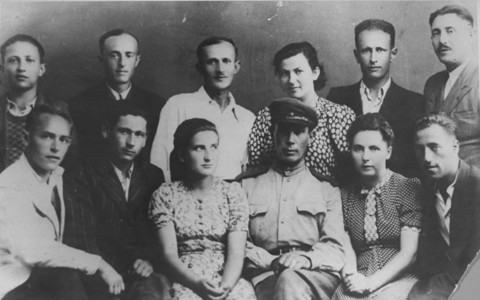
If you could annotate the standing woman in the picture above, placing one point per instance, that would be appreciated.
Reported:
(382, 215)
(201, 220)
(299, 72)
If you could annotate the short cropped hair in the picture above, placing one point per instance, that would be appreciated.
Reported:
(23, 38)
(215, 40)
(375, 24)
(459, 10)
(115, 32)
(440, 119)
(121, 109)
(310, 54)
(371, 122)
(56, 109)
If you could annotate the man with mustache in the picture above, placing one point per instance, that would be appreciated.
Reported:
(35, 197)
(22, 65)
(218, 63)
(455, 90)
(295, 248)
(120, 56)
(376, 92)
(116, 217)
(451, 228)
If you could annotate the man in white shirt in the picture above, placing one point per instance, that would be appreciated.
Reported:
(218, 64)
(451, 228)
(34, 262)
(377, 93)
(455, 91)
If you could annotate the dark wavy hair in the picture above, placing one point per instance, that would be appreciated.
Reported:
(310, 54)
(371, 122)
(181, 140)
(23, 38)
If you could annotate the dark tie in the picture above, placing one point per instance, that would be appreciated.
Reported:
(56, 202)
(120, 97)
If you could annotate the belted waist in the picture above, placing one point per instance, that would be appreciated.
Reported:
(370, 247)
(288, 249)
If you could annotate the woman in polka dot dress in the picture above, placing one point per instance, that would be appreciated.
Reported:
(382, 215)
(298, 71)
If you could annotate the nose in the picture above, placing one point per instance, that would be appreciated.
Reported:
(207, 155)
(130, 140)
(427, 156)
(21, 65)
(54, 146)
(121, 60)
(292, 78)
(366, 155)
(442, 38)
(373, 57)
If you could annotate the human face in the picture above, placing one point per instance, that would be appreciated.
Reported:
(437, 152)
(452, 39)
(296, 77)
(374, 54)
(127, 138)
(201, 156)
(370, 153)
(218, 66)
(120, 58)
(48, 143)
(22, 66)
(291, 143)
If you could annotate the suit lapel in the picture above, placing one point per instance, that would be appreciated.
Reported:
(357, 99)
(111, 186)
(461, 87)
(388, 101)
(136, 187)
(460, 208)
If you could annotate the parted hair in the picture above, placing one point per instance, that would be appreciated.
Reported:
(459, 10)
(375, 24)
(115, 32)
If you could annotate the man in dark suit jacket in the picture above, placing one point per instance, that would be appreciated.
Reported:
(455, 90)
(117, 213)
(376, 92)
(451, 232)
(120, 56)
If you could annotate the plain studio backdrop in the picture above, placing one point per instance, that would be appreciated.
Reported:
(170, 31)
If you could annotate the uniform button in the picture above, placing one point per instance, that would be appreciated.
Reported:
(284, 199)
(200, 216)
(282, 222)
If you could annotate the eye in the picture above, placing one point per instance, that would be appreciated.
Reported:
(140, 134)
(66, 140)
(450, 30)
(227, 60)
(30, 60)
(298, 71)
(114, 55)
(356, 148)
(12, 60)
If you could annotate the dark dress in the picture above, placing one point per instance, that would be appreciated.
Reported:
(398, 208)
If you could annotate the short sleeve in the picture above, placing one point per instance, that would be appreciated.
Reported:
(160, 210)
(260, 144)
(238, 208)
(410, 207)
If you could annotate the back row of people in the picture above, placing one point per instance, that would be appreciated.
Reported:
(116, 223)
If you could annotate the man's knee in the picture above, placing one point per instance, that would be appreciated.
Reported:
(155, 286)
(290, 285)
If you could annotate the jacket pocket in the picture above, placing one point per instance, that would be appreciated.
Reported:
(312, 208)
(258, 209)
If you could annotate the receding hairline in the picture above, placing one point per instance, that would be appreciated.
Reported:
(119, 35)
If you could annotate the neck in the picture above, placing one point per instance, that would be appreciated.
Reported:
(22, 98)
(44, 175)
(119, 87)
(375, 85)
(280, 165)
(449, 178)
(219, 96)
(198, 184)
(122, 165)
(372, 181)
(310, 100)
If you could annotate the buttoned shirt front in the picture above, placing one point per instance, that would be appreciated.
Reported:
(294, 209)
(125, 179)
(233, 125)
(370, 104)
(443, 207)
(16, 111)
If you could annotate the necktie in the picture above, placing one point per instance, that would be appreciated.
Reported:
(370, 226)
(56, 202)
(120, 97)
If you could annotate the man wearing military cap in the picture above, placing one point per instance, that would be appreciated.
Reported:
(295, 246)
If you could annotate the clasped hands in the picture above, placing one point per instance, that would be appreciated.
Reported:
(115, 281)
(357, 284)
(209, 290)
(292, 260)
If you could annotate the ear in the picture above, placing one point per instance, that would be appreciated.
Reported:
(394, 54)
(237, 66)
(316, 73)
(43, 69)
(137, 60)
(389, 152)
(357, 55)
(456, 145)
(104, 131)
(180, 157)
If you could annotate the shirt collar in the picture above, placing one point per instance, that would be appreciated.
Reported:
(116, 94)
(377, 188)
(453, 75)
(449, 189)
(54, 177)
(120, 173)
(383, 89)
(288, 171)
(205, 97)
(16, 111)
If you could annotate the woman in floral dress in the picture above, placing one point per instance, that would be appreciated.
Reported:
(201, 220)
(299, 74)
(382, 215)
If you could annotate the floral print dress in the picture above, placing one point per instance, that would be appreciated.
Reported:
(202, 227)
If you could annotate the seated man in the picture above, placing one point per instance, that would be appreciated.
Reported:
(451, 233)
(117, 215)
(34, 263)
(296, 222)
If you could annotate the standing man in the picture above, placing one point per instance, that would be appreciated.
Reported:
(455, 90)
(120, 190)
(377, 93)
(119, 55)
(296, 224)
(218, 64)
(34, 261)
(22, 65)
(451, 231)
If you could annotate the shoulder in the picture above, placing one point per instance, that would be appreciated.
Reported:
(336, 112)
(342, 90)
(252, 173)
(401, 181)
(436, 80)
(323, 178)
(145, 95)
(409, 95)
(89, 95)
(153, 173)
(244, 113)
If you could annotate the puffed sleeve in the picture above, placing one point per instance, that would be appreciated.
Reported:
(260, 144)
(410, 208)
(160, 210)
(238, 208)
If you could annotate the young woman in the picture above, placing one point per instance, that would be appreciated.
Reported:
(382, 215)
(201, 220)
(299, 74)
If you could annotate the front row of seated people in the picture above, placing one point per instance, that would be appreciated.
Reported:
(59, 243)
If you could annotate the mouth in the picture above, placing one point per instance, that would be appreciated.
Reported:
(128, 152)
(21, 77)
(443, 50)
(220, 78)
(367, 167)
(373, 69)
(53, 157)
(290, 151)
(207, 166)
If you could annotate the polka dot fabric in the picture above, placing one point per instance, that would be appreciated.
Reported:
(329, 137)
